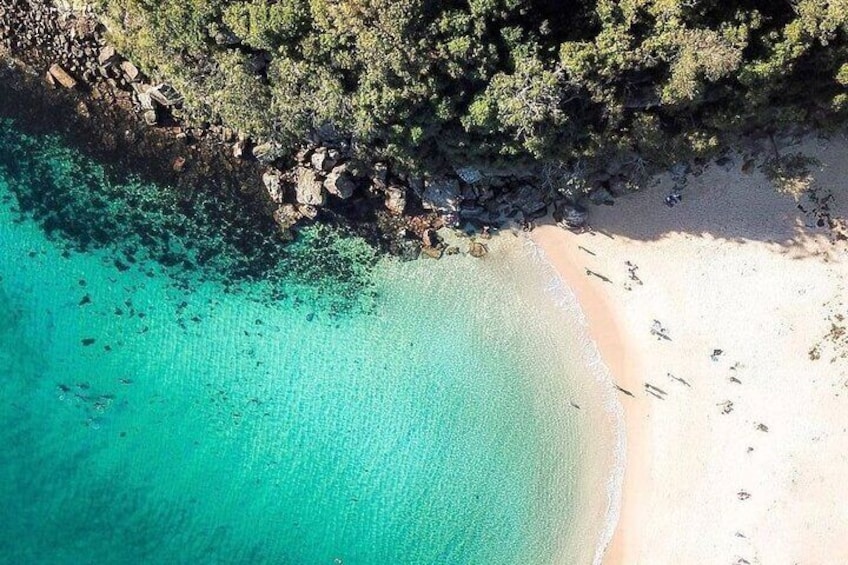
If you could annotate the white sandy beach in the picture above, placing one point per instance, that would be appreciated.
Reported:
(741, 459)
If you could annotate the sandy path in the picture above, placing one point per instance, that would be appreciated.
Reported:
(741, 459)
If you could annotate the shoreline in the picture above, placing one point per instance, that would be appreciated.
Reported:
(730, 456)
(613, 362)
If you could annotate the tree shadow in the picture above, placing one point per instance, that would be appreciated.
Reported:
(726, 204)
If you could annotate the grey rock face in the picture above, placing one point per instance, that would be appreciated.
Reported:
(442, 195)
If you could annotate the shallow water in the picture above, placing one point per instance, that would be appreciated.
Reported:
(143, 418)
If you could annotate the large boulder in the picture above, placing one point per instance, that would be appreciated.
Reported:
(165, 95)
(442, 195)
(273, 181)
(61, 76)
(309, 189)
(530, 200)
(340, 183)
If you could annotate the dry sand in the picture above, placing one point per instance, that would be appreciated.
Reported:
(747, 460)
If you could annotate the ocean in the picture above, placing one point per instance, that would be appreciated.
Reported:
(172, 395)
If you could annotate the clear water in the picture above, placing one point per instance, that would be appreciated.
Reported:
(146, 419)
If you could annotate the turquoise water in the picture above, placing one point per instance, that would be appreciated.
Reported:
(153, 412)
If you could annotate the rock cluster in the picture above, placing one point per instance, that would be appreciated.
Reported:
(75, 48)
(325, 175)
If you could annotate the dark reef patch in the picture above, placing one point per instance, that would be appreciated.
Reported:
(206, 234)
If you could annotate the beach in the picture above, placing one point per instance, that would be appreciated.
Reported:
(720, 320)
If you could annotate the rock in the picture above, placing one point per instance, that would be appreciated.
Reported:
(431, 252)
(286, 216)
(178, 164)
(679, 170)
(145, 101)
(395, 199)
(601, 196)
(107, 56)
(239, 149)
(380, 177)
(165, 95)
(357, 169)
(130, 70)
(309, 189)
(82, 109)
(477, 250)
(469, 175)
(61, 76)
(321, 160)
(571, 216)
(308, 211)
(273, 181)
(150, 117)
(442, 195)
(266, 152)
(725, 163)
(339, 183)
(431, 238)
(226, 37)
(416, 183)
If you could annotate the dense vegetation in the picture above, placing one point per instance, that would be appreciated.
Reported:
(459, 81)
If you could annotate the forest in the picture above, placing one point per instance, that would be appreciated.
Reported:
(509, 82)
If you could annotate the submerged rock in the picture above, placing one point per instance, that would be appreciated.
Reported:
(478, 250)
(431, 252)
